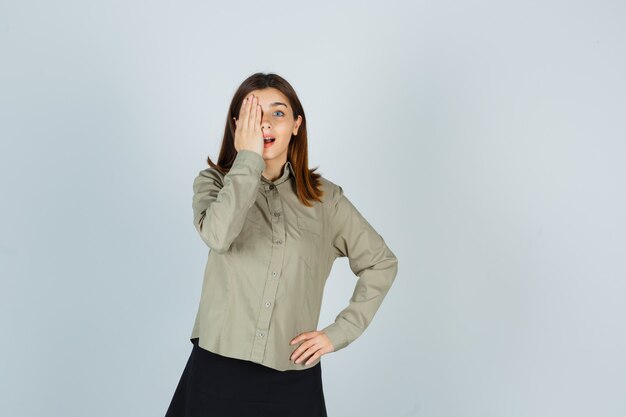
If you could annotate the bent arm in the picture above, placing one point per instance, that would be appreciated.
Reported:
(370, 260)
(219, 209)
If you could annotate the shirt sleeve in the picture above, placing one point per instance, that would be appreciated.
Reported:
(219, 210)
(372, 262)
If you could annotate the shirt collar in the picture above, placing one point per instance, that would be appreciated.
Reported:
(287, 173)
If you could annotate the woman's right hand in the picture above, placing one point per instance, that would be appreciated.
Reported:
(248, 133)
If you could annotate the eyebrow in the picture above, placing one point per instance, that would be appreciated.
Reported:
(278, 103)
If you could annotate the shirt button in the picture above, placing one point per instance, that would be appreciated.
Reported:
(279, 242)
(272, 186)
(277, 213)
(268, 304)
(261, 334)
(274, 273)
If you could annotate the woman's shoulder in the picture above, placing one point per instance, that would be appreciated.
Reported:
(210, 173)
(332, 190)
(208, 178)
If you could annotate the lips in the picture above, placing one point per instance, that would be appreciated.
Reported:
(268, 139)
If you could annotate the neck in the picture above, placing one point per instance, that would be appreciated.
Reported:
(273, 168)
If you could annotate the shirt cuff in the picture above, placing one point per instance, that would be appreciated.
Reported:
(337, 336)
(251, 159)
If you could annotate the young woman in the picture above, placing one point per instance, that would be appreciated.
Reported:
(273, 228)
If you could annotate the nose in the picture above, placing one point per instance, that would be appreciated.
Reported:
(265, 123)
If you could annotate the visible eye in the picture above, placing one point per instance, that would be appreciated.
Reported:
(278, 111)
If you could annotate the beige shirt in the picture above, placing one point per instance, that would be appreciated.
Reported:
(269, 258)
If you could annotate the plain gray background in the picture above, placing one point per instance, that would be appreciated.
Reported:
(485, 141)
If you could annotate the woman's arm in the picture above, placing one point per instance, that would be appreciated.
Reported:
(220, 209)
(372, 262)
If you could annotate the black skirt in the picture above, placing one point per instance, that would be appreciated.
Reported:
(213, 385)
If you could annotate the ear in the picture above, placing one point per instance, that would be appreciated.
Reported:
(297, 126)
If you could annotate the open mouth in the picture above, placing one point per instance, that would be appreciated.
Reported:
(269, 140)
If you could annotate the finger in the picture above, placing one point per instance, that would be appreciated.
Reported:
(254, 115)
(299, 357)
(296, 353)
(314, 357)
(251, 113)
(297, 339)
(300, 350)
(243, 115)
(242, 112)
(310, 351)
(257, 124)
(302, 336)
(243, 107)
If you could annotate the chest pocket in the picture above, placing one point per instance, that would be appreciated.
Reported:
(247, 240)
(310, 240)
(253, 219)
(250, 231)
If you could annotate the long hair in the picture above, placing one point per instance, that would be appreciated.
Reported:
(307, 181)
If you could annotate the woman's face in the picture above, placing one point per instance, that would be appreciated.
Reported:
(277, 122)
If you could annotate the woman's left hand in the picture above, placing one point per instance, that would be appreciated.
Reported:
(315, 343)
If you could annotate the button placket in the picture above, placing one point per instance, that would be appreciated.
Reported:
(277, 231)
